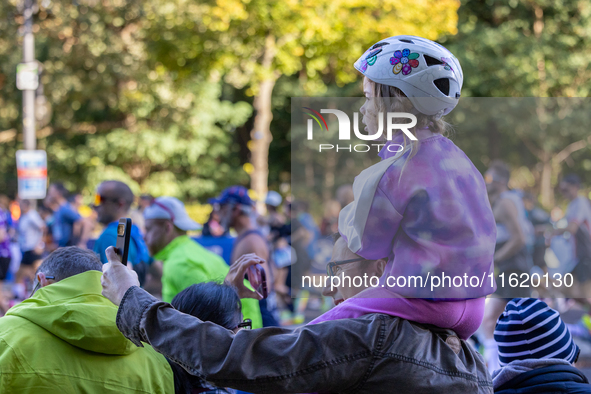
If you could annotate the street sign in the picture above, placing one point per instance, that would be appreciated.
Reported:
(31, 166)
(27, 76)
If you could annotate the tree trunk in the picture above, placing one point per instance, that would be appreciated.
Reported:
(546, 192)
(260, 135)
(261, 138)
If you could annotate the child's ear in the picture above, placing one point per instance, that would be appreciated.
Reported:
(381, 266)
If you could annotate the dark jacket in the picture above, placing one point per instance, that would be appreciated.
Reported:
(552, 379)
(372, 354)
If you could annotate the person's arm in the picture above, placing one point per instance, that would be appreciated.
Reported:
(332, 356)
(255, 244)
(508, 216)
(572, 228)
(313, 358)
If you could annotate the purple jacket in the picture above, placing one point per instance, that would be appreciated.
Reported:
(429, 215)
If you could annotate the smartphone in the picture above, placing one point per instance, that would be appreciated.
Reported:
(258, 279)
(123, 237)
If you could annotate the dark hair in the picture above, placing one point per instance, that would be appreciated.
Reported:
(572, 179)
(61, 189)
(501, 169)
(69, 261)
(121, 191)
(210, 301)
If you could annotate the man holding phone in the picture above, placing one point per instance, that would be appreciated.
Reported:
(112, 201)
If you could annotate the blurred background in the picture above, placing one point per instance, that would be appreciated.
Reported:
(184, 98)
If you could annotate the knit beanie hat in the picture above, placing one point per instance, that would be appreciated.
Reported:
(530, 329)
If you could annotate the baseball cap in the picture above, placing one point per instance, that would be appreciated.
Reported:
(173, 209)
(530, 329)
(233, 194)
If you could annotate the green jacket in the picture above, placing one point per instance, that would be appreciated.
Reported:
(64, 340)
(185, 262)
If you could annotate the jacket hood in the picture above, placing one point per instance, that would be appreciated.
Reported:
(75, 311)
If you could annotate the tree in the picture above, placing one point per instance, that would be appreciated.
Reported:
(118, 113)
(535, 48)
(253, 43)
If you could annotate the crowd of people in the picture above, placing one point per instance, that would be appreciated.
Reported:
(181, 318)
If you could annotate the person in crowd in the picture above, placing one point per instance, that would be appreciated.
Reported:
(536, 351)
(511, 254)
(213, 228)
(330, 219)
(5, 255)
(540, 220)
(137, 215)
(344, 195)
(213, 302)
(47, 213)
(578, 216)
(236, 212)
(346, 263)
(30, 237)
(272, 224)
(112, 201)
(369, 354)
(447, 223)
(64, 338)
(68, 226)
(184, 261)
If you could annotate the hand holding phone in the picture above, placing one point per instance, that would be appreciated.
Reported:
(258, 279)
(123, 238)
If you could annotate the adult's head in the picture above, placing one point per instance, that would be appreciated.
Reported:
(349, 265)
(497, 178)
(530, 329)
(145, 201)
(210, 301)
(25, 206)
(112, 201)
(57, 193)
(345, 195)
(273, 200)
(166, 218)
(413, 75)
(65, 262)
(236, 207)
(569, 186)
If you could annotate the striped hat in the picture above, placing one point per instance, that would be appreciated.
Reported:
(530, 329)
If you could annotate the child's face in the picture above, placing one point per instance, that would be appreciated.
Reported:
(369, 109)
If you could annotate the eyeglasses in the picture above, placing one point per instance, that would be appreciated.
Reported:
(39, 284)
(245, 325)
(333, 269)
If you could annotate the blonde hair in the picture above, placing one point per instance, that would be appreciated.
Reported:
(399, 102)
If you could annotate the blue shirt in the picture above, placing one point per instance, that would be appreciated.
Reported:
(63, 223)
(109, 238)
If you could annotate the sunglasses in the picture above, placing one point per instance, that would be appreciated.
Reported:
(98, 200)
(332, 268)
(245, 325)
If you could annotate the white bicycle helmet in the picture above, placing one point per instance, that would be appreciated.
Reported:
(427, 73)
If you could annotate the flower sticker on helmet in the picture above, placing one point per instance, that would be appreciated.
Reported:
(446, 64)
(404, 61)
(370, 59)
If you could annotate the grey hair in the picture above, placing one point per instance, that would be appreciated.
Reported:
(69, 261)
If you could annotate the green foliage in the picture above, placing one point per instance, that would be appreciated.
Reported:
(118, 113)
